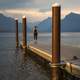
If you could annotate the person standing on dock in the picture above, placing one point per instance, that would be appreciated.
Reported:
(35, 33)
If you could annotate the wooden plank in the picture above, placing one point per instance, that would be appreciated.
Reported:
(41, 53)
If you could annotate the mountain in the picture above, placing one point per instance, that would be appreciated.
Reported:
(31, 25)
(7, 24)
(20, 27)
(45, 25)
(71, 23)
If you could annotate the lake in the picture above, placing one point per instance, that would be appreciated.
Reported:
(13, 65)
(7, 40)
(11, 60)
(70, 39)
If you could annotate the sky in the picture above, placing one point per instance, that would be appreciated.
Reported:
(37, 10)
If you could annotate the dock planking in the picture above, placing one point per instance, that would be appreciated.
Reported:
(71, 65)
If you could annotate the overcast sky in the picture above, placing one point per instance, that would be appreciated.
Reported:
(37, 10)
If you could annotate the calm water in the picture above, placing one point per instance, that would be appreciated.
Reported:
(13, 65)
(11, 60)
(71, 39)
(7, 40)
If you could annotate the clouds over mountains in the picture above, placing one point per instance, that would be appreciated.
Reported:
(36, 10)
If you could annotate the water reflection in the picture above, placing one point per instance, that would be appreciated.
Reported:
(35, 42)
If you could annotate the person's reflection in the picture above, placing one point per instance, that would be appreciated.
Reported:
(35, 42)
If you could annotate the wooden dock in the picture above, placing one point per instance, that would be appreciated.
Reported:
(41, 53)
(70, 65)
(53, 60)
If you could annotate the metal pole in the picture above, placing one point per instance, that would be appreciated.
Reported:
(55, 42)
(17, 41)
(24, 32)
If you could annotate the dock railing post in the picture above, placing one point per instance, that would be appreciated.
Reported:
(24, 43)
(55, 65)
(17, 41)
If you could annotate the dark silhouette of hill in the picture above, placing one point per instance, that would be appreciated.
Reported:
(45, 25)
(71, 23)
(7, 24)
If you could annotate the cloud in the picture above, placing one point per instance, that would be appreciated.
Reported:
(32, 14)
(9, 1)
(24, 3)
(41, 4)
(69, 10)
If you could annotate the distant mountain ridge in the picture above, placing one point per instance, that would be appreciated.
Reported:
(45, 25)
(71, 23)
(7, 24)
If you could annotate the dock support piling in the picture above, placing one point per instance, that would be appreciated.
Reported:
(24, 32)
(17, 41)
(56, 42)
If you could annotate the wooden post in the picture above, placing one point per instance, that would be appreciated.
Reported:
(55, 42)
(24, 32)
(17, 41)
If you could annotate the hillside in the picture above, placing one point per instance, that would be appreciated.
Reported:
(7, 24)
(71, 23)
(45, 25)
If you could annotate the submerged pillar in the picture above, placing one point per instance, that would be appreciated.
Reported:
(17, 41)
(56, 42)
